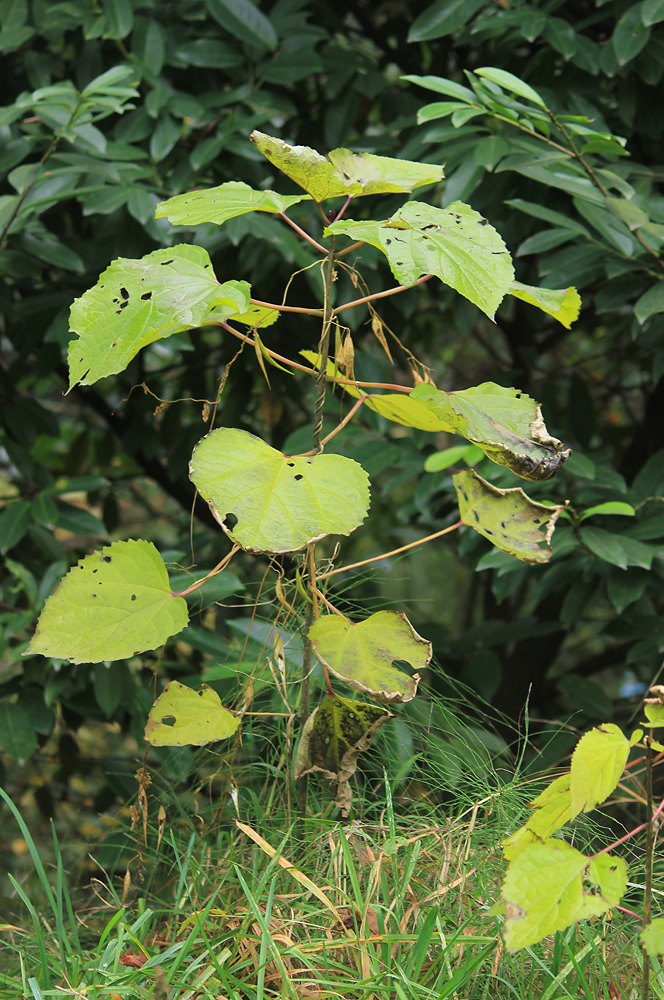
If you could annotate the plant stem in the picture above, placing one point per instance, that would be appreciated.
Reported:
(647, 892)
(323, 349)
(213, 572)
(382, 295)
(305, 236)
(284, 308)
(340, 426)
(303, 780)
(394, 552)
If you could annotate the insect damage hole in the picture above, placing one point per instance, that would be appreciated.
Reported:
(168, 720)
(299, 476)
(106, 558)
(229, 521)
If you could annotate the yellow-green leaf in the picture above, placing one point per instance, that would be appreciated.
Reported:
(597, 765)
(184, 717)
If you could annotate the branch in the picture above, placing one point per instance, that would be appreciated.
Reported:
(302, 233)
(394, 552)
(382, 295)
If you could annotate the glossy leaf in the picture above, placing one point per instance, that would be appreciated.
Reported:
(219, 204)
(136, 302)
(630, 35)
(362, 654)
(333, 738)
(505, 423)
(112, 605)
(508, 518)
(510, 83)
(650, 303)
(455, 244)
(269, 502)
(468, 453)
(552, 885)
(610, 507)
(442, 18)
(597, 765)
(563, 304)
(406, 411)
(344, 173)
(618, 550)
(184, 717)
(652, 11)
(244, 20)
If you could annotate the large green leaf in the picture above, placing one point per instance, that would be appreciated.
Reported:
(245, 21)
(597, 765)
(551, 885)
(219, 204)
(505, 423)
(552, 809)
(455, 244)
(183, 717)
(362, 655)
(332, 739)
(270, 502)
(508, 518)
(619, 550)
(114, 604)
(136, 302)
(344, 173)
(652, 937)
(563, 304)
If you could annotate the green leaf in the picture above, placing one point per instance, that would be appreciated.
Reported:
(563, 304)
(136, 302)
(344, 173)
(407, 411)
(654, 715)
(652, 937)
(333, 737)
(269, 502)
(617, 549)
(219, 204)
(551, 885)
(442, 86)
(652, 12)
(14, 522)
(630, 35)
(553, 808)
(362, 654)
(259, 317)
(508, 518)
(650, 303)
(510, 82)
(183, 717)
(610, 507)
(450, 456)
(119, 18)
(217, 588)
(114, 604)
(442, 18)
(597, 765)
(245, 21)
(455, 244)
(17, 734)
(505, 423)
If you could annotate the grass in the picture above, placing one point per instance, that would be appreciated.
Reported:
(396, 909)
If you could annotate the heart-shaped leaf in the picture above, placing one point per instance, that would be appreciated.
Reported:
(183, 717)
(269, 502)
(455, 244)
(508, 518)
(136, 302)
(114, 604)
(362, 655)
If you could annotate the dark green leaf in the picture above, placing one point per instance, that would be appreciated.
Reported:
(244, 20)
(119, 18)
(650, 303)
(14, 522)
(17, 734)
(652, 11)
(442, 18)
(209, 52)
(78, 520)
(630, 35)
(617, 549)
(561, 35)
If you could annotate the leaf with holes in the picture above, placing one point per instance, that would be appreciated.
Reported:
(219, 204)
(505, 423)
(114, 604)
(269, 502)
(344, 173)
(363, 655)
(184, 717)
(455, 244)
(333, 738)
(136, 302)
(552, 885)
(508, 518)
(597, 765)
(564, 304)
